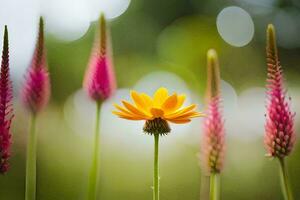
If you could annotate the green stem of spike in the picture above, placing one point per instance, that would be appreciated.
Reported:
(94, 171)
(285, 185)
(30, 187)
(214, 191)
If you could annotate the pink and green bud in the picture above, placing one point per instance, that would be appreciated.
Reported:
(6, 110)
(36, 89)
(213, 145)
(279, 128)
(99, 81)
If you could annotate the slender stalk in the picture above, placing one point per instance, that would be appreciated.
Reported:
(285, 185)
(156, 169)
(214, 190)
(94, 171)
(30, 191)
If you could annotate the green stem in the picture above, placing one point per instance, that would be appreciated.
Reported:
(285, 186)
(30, 190)
(94, 171)
(156, 169)
(214, 189)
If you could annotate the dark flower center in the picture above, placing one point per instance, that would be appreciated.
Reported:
(157, 126)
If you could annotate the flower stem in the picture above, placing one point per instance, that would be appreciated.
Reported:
(30, 191)
(156, 169)
(285, 185)
(94, 171)
(214, 186)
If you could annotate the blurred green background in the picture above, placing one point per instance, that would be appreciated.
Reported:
(168, 41)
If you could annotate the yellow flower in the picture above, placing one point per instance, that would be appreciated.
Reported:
(157, 112)
(161, 106)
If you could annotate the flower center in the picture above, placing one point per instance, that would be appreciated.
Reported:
(156, 126)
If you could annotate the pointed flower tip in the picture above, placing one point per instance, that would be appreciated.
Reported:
(102, 17)
(36, 89)
(5, 30)
(102, 22)
(41, 28)
(212, 55)
(41, 20)
(271, 39)
(271, 29)
(103, 34)
(213, 74)
(5, 50)
(41, 23)
(5, 37)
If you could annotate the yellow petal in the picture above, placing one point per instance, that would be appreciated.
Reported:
(187, 115)
(182, 121)
(197, 114)
(156, 112)
(126, 116)
(180, 101)
(139, 101)
(148, 100)
(130, 118)
(160, 96)
(181, 111)
(170, 103)
(134, 110)
(122, 109)
(125, 111)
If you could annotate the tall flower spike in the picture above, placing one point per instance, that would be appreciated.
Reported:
(6, 110)
(99, 80)
(279, 127)
(99, 83)
(213, 146)
(36, 89)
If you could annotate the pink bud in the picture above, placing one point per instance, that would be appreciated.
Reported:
(213, 145)
(279, 136)
(6, 110)
(99, 81)
(36, 89)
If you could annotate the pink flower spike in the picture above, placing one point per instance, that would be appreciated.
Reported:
(36, 89)
(213, 145)
(99, 81)
(6, 110)
(279, 128)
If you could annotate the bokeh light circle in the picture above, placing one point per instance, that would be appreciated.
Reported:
(235, 26)
(68, 19)
(110, 8)
(229, 99)
(152, 81)
(251, 110)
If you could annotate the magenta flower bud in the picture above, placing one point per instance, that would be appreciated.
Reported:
(99, 81)
(279, 128)
(36, 89)
(213, 145)
(6, 110)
